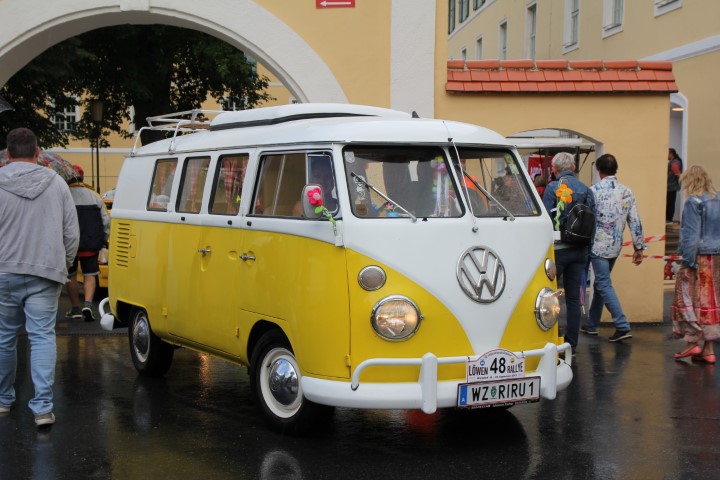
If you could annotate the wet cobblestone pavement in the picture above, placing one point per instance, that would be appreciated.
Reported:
(632, 412)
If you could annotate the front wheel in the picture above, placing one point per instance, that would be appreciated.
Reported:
(275, 379)
(150, 355)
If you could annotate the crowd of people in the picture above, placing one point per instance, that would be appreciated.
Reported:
(696, 305)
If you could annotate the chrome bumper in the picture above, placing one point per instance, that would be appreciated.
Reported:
(428, 394)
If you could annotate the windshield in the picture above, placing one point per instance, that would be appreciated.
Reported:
(494, 183)
(386, 181)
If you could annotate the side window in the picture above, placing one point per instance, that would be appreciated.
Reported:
(280, 184)
(227, 189)
(192, 186)
(162, 184)
(281, 180)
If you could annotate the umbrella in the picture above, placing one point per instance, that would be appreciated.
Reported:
(4, 105)
(51, 160)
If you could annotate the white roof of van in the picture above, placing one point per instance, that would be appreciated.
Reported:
(322, 123)
(285, 113)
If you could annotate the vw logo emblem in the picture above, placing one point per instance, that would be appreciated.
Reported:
(481, 274)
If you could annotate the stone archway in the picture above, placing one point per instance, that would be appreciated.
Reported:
(241, 23)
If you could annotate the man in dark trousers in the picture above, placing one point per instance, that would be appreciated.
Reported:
(94, 232)
(571, 260)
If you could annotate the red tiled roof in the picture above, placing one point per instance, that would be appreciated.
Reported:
(559, 76)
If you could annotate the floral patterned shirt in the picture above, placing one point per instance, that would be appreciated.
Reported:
(615, 208)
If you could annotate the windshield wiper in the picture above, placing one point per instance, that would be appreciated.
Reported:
(388, 199)
(487, 194)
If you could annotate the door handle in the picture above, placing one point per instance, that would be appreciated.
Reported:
(245, 257)
(204, 251)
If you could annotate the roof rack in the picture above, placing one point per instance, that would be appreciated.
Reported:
(186, 122)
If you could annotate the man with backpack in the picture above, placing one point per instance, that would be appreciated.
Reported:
(616, 208)
(565, 197)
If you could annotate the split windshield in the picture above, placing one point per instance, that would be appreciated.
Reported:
(386, 181)
(494, 183)
(414, 181)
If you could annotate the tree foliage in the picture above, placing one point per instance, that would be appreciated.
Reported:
(155, 69)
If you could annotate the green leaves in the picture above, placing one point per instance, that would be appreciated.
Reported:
(156, 69)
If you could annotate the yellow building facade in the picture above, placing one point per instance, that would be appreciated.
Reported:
(684, 32)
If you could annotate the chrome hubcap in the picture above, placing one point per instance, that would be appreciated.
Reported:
(141, 339)
(283, 382)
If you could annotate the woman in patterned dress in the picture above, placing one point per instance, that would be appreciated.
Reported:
(696, 306)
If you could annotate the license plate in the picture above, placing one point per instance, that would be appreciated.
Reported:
(498, 393)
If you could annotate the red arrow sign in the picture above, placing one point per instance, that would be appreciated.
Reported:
(334, 3)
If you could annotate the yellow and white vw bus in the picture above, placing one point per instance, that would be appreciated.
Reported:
(349, 255)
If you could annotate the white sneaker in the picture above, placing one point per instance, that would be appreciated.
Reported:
(45, 419)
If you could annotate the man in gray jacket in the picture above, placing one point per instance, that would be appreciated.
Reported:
(39, 237)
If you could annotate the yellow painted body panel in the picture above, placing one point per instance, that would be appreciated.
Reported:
(303, 282)
(439, 333)
(138, 249)
(522, 331)
(211, 302)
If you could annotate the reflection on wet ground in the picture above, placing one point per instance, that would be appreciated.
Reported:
(632, 412)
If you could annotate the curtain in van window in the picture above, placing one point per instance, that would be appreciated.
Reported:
(231, 170)
(194, 171)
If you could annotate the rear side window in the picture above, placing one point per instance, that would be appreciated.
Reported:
(163, 176)
(192, 185)
(227, 188)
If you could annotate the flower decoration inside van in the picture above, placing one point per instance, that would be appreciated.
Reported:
(388, 209)
(316, 199)
(564, 195)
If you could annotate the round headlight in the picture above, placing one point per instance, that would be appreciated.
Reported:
(547, 308)
(395, 318)
(550, 269)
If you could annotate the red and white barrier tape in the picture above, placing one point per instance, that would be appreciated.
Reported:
(663, 257)
(654, 238)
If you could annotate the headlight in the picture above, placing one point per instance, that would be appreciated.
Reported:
(550, 269)
(395, 318)
(547, 308)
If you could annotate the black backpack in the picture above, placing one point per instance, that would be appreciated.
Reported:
(579, 225)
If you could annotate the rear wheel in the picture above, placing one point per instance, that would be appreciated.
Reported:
(150, 355)
(275, 378)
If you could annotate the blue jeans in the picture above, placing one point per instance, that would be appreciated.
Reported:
(604, 295)
(571, 264)
(30, 301)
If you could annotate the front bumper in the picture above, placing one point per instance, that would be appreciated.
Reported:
(428, 394)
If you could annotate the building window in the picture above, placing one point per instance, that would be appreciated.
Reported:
(66, 117)
(463, 53)
(478, 48)
(464, 9)
(451, 16)
(571, 38)
(665, 6)
(477, 4)
(530, 31)
(502, 40)
(613, 13)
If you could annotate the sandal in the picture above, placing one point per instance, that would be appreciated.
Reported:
(709, 358)
(689, 352)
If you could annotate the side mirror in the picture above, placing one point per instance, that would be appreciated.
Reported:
(310, 193)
